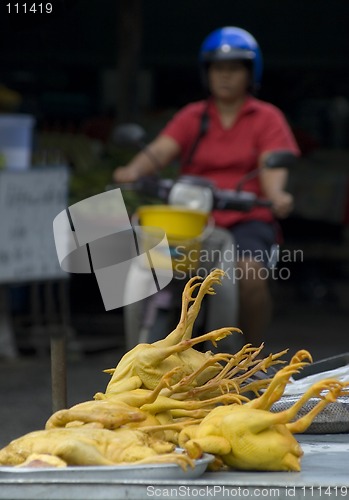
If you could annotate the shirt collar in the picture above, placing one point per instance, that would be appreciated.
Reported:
(249, 106)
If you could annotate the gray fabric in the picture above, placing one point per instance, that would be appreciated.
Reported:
(334, 418)
(256, 238)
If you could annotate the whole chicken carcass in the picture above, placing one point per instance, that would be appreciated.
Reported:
(248, 437)
(88, 446)
(145, 364)
(106, 414)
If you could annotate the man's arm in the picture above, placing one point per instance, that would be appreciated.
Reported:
(155, 156)
(273, 183)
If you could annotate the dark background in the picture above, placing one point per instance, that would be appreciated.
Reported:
(64, 65)
(59, 59)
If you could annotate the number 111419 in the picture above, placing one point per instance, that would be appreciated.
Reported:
(29, 8)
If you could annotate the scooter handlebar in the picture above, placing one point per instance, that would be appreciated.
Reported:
(242, 201)
(223, 199)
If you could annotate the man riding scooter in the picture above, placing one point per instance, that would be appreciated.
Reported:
(225, 138)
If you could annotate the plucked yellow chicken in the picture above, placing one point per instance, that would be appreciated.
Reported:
(123, 410)
(250, 437)
(100, 414)
(167, 392)
(145, 364)
(111, 413)
(88, 446)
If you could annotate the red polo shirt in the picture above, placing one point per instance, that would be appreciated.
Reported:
(224, 155)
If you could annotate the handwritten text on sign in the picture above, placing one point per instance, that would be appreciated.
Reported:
(29, 201)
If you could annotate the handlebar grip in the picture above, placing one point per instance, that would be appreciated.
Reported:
(264, 203)
(242, 201)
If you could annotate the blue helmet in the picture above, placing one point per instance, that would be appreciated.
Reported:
(230, 43)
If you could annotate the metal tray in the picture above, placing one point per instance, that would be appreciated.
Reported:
(323, 365)
(107, 473)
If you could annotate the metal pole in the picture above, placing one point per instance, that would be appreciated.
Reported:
(58, 373)
(58, 342)
(8, 347)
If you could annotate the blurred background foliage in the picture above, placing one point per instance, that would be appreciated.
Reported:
(96, 64)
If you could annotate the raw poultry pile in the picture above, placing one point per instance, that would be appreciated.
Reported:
(168, 394)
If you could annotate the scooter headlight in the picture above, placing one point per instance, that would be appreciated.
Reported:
(191, 196)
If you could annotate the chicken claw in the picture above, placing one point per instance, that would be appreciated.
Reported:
(301, 356)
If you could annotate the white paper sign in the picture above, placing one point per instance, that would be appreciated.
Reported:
(29, 201)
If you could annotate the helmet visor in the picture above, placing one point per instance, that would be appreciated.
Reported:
(226, 53)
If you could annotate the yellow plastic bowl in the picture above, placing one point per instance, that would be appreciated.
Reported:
(178, 222)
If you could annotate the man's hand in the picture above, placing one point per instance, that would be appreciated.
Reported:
(273, 182)
(282, 203)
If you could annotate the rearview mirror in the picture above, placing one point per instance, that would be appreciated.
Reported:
(276, 159)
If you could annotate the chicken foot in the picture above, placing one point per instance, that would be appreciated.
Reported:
(334, 388)
(276, 387)
(188, 316)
